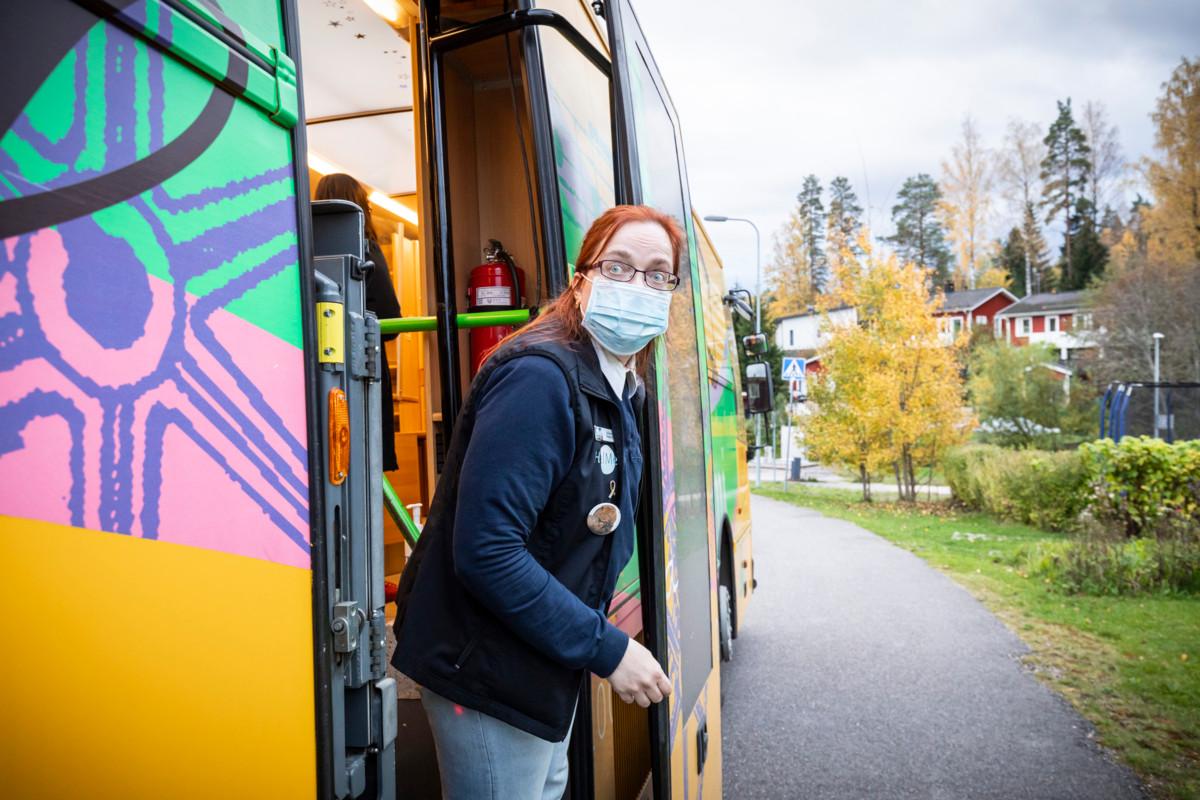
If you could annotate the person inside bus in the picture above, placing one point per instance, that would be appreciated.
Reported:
(381, 298)
(502, 608)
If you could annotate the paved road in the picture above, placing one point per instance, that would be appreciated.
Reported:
(863, 673)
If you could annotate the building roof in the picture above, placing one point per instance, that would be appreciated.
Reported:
(970, 299)
(1044, 303)
(813, 313)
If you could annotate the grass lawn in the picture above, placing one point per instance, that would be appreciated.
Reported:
(1128, 664)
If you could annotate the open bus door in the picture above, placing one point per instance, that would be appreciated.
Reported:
(678, 550)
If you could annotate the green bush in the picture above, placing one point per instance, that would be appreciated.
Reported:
(1142, 482)
(1168, 565)
(1047, 490)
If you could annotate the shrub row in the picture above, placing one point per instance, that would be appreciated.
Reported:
(1046, 490)
(1143, 483)
(1133, 486)
(1136, 505)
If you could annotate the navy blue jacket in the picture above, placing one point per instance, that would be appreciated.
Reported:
(502, 606)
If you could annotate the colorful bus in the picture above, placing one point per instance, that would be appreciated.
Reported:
(196, 537)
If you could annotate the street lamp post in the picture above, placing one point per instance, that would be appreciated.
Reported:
(757, 324)
(1158, 337)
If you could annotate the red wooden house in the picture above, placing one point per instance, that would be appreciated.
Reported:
(1059, 319)
(970, 308)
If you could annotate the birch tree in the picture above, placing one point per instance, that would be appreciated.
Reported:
(890, 394)
(1106, 164)
(966, 184)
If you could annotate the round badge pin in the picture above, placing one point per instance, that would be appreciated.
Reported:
(603, 519)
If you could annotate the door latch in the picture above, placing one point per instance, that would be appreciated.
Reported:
(347, 620)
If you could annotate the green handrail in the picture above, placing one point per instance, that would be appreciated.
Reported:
(399, 513)
(473, 319)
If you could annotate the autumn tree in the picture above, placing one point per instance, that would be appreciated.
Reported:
(1064, 183)
(966, 184)
(1174, 175)
(798, 270)
(919, 237)
(842, 224)
(788, 280)
(1141, 296)
(889, 393)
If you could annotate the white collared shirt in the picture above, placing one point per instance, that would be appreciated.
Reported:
(616, 372)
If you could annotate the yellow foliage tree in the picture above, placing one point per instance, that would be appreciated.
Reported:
(889, 391)
(788, 274)
(1174, 221)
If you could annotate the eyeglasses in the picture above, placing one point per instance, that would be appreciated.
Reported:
(655, 278)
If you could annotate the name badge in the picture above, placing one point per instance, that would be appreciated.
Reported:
(603, 434)
(603, 519)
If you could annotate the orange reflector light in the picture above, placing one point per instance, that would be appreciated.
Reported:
(339, 437)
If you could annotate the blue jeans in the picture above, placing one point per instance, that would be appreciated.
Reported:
(482, 758)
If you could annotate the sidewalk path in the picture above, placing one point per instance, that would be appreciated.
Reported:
(814, 474)
(864, 673)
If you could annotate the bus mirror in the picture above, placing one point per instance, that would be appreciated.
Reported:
(755, 344)
(759, 393)
(740, 306)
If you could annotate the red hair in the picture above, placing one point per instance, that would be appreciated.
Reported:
(561, 319)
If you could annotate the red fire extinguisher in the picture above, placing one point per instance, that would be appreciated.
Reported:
(498, 284)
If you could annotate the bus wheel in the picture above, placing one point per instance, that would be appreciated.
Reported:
(725, 622)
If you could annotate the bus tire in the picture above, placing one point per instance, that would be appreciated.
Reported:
(725, 621)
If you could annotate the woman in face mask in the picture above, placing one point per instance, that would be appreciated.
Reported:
(502, 608)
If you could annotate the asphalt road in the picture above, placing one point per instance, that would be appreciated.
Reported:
(864, 673)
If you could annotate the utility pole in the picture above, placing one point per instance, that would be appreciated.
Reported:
(1158, 337)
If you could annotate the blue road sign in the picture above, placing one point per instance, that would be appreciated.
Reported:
(793, 369)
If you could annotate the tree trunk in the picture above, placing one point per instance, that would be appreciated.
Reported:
(865, 478)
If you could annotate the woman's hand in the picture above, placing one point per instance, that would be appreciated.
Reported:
(638, 678)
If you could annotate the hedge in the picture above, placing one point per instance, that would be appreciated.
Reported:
(1142, 483)
(1047, 490)
(1134, 485)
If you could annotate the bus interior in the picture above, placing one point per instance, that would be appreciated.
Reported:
(361, 73)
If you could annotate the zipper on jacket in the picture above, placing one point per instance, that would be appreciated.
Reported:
(462, 657)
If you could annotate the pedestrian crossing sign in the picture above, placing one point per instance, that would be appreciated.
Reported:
(793, 369)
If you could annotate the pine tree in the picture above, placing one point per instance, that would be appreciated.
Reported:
(1064, 176)
(920, 238)
(1012, 261)
(843, 224)
(812, 230)
(1037, 276)
(1088, 255)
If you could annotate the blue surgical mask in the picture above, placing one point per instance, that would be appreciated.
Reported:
(624, 317)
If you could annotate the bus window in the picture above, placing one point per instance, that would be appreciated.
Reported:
(662, 186)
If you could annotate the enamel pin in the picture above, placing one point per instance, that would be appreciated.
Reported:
(603, 519)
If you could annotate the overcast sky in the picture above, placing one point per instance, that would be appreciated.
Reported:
(770, 91)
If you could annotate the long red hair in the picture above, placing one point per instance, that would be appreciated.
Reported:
(562, 319)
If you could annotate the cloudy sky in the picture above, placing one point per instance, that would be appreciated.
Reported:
(771, 91)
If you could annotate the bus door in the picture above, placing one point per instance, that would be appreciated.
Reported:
(680, 612)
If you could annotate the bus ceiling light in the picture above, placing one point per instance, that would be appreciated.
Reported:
(339, 437)
(323, 166)
(388, 9)
(398, 209)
